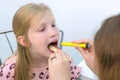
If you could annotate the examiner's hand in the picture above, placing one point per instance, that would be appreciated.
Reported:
(88, 54)
(59, 66)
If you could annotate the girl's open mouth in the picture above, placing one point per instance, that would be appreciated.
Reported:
(52, 46)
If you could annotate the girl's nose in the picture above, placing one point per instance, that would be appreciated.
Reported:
(54, 33)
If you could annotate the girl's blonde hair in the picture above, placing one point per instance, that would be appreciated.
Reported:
(21, 24)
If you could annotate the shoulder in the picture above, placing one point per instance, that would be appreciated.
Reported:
(7, 68)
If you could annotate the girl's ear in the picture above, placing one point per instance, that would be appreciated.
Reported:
(21, 41)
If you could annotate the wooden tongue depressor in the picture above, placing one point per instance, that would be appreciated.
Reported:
(53, 48)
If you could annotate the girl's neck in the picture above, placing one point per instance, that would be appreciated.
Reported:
(40, 63)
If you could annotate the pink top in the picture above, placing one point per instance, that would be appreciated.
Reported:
(7, 71)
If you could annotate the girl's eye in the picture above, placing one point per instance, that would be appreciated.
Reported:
(53, 25)
(43, 29)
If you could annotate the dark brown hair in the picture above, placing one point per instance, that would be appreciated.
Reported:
(107, 48)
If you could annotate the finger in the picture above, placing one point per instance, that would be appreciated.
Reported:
(82, 41)
(81, 50)
(86, 52)
(86, 41)
(59, 55)
(64, 56)
(52, 58)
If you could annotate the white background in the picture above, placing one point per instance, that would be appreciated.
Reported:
(79, 19)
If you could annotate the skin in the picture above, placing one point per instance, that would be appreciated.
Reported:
(39, 38)
(59, 67)
(88, 54)
(41, 33)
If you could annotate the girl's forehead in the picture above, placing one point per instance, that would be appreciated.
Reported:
(38, 18)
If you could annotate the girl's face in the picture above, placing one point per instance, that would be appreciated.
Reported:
(42, 33)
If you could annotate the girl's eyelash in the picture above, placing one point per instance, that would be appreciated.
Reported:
(53, 25)
(42, 29)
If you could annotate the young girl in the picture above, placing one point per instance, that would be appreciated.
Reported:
(35, 30)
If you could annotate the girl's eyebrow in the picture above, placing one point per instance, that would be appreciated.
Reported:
(42, 24)
(38, 26)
